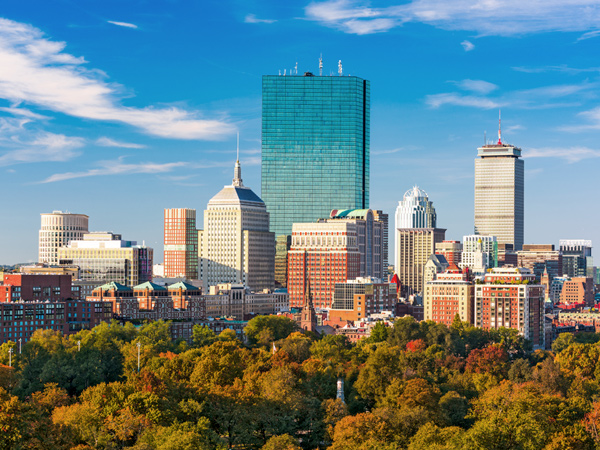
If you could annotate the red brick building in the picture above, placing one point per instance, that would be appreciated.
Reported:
(326, 254)
(509, 298)
(40, 288)
(578, 290)
(451, 250)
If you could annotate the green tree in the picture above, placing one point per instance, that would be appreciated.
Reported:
(282, 442)
(203, 336)
(266, 329)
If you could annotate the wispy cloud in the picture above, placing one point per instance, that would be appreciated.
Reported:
(108, 142)
(589, 35)
(251, 18)
(44, 147)
(570, 154)
(561, 68)
(438, 100)
(479, 86)
(123, 24)
(467, 45)
(117, 167)
(386, 152)
(36, 70)
(538, 98)
(486, 17)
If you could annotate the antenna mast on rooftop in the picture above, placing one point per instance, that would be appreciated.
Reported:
(340, 67)
(321, 65)
(296, 68)
(499, 127)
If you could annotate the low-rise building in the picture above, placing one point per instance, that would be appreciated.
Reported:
(21, 319)
(29, 287)
(357, 299)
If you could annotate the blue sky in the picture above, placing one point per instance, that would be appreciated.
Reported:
(118, 109)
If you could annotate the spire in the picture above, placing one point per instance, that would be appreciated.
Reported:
(499, 127)
(237, 172)
(307, 294)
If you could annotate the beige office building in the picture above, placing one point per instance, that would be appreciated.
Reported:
(449, 294)
(414, 246)
(57, 230)
(237, 246)
(499, 193)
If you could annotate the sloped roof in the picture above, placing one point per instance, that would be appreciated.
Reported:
(149, 285)
(185, 286)
(114, 286)
(235, 194)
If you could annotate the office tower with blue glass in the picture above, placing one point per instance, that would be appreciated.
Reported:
(315, 147)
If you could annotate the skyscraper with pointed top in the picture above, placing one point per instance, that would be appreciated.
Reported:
(237, 246)
(500, 192)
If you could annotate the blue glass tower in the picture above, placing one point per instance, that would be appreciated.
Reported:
(315, 147)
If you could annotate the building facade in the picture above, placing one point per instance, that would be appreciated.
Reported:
(370, 234)
(451, 250)
(577, 257)
(539, 258)
(315, 147)
(237, 245)
(499, 193)
(414, 246)
(415, 210)
(578, 290)
(357, 299)
(323, 253)
(181, 244)
(451, 293)
(58, 230)
(509, 297)
(479, 253)
(37, 288)
(103, 257)
(21, 320)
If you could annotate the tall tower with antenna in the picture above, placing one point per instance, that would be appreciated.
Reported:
(500, 192)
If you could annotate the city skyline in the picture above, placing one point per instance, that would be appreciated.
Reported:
(101, 115)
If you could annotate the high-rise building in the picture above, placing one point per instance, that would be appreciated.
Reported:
(384, 218)
(540, 258)
(510, 297)
(499, 193)
(282, 246)
(181, 244)
(479, 253)
(415, 210)
(371, 239)
(577, 257)
(58, 229)
(356, 299)
(237, 246)
(578, 290)
(414, 246)
(451, 250)
(103, 257)
(321, 254)
(315, 147)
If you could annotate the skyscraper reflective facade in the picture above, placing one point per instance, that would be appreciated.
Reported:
(315, 147)
(499, 193)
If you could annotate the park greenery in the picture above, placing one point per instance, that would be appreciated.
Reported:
(415, 386)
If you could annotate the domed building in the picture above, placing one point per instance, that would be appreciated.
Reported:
(236, 245)
(415, 210)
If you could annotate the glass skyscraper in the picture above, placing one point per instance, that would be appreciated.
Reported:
(315, 147)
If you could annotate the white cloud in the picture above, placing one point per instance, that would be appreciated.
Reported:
(35, 70)
(479, 86)
(486, 17)
(467, 45)
(123, 24)
(438, 100)
(588, 35)
(251, 18)
(117, 167)
(570, 154)
(45, 147)
(561, 68)
(108, 142)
